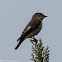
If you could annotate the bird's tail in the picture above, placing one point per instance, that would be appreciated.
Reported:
(20, 41)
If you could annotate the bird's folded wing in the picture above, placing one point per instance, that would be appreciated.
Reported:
(31, 28)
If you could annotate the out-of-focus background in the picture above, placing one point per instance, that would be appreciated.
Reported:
(14, 16)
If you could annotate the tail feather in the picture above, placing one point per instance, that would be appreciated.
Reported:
(21, 40)
(18, 39)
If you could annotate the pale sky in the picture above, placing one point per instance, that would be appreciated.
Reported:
(14, 16)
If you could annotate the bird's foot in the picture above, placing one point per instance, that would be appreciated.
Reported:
(34, 39)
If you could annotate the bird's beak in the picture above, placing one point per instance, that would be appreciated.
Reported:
(45, 16)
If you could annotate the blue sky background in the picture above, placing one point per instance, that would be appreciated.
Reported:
(14, 16)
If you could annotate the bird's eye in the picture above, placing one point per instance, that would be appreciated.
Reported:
(40, 13)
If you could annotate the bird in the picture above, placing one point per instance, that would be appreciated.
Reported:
(32, 28)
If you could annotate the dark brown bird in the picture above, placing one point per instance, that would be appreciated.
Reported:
(32, 28)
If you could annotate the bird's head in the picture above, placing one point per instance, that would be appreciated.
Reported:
(39, 15)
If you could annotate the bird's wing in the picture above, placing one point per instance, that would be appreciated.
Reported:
(30, 27)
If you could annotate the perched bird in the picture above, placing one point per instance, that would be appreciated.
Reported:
(32, 28)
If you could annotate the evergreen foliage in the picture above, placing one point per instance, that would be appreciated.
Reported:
(39, 52)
